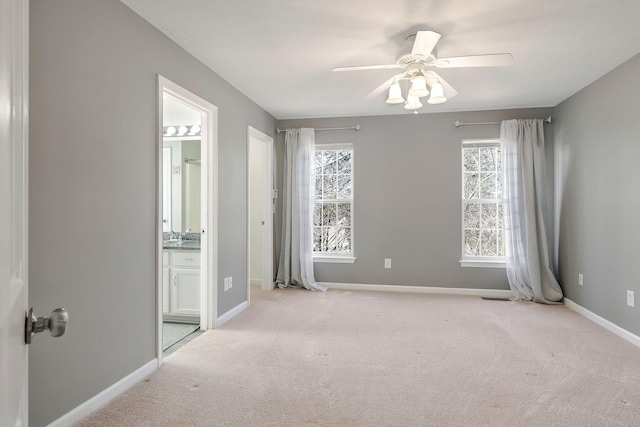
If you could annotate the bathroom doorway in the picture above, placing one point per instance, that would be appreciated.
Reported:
(187, 215)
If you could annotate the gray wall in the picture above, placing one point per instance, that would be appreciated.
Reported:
(92, 191)
(408, 196)
(597, 189)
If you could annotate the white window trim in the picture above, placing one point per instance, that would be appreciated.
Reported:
(340, 258)
(467, 261)
(334, 258)
(483, 263)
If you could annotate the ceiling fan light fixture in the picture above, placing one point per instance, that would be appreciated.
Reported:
(413, 103)
(395, 94)
(418, 86)
(437, 94)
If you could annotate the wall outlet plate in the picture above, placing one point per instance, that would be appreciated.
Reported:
(580, 279)
(631, 299)
(387, 263)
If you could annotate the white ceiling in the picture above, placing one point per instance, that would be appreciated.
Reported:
(279, 53)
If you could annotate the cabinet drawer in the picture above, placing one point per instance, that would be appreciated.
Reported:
(165, 258)
(186, 259)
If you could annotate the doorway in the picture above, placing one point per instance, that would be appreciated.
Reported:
(186, 215)
(260, 205)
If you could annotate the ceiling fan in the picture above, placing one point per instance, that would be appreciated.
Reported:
(417, 55)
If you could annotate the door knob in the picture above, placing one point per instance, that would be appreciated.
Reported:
(56, 323)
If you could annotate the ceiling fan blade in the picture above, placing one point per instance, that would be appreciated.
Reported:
(492, 60)
(424, 43)
(369, 67)
(449, 91)
(384, 86)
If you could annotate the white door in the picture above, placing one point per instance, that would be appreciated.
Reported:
(13, 211)
(260, 202)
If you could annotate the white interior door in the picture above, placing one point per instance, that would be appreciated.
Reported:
(260, 208)
(13, 211)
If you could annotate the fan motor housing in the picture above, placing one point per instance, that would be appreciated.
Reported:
(405, 57)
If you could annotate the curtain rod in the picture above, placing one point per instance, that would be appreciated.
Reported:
(193, 161)
(356, 128)
(459, 123)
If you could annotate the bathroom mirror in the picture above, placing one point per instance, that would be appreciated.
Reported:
(181, 177)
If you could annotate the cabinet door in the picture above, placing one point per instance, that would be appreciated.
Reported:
(166, 286)
(185, 294)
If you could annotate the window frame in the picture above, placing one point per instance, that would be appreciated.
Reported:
(335, 257)
(478, 261)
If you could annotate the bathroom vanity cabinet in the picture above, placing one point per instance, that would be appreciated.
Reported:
(181, 285)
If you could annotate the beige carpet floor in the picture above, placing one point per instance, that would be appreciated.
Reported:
(341, 358)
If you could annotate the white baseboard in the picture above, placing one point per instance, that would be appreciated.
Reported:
(255, 282)
(105, 396)
(489, 293)
(612, 327)
(231, 314)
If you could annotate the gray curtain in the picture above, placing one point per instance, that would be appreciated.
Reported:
(529, 268)
(295, 268)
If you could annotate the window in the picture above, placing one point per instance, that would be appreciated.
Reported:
(482, 209)
(333, 203)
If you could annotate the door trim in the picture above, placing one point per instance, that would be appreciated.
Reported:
(209, 204)
(267, 231)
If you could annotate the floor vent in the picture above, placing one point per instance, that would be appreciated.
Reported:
(495, 299)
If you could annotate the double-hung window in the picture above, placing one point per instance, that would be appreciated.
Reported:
(333, 203)
(482, 204)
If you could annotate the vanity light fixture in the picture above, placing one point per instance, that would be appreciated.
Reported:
(183, 130)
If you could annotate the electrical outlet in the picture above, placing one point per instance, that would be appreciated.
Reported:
(230, 283)
(580, 279)
(387, 263)
(227, 283)
(630, 299)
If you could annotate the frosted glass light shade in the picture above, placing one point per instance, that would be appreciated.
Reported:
(437, 94)
(419, 86)
(195, 129)
(395, 94)
(413, 102)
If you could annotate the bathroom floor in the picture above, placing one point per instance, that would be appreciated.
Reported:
(175, 335)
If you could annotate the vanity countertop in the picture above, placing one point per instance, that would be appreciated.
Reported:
(181, 245)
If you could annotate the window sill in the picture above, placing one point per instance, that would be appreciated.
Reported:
(482, 263)
(334, 259)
